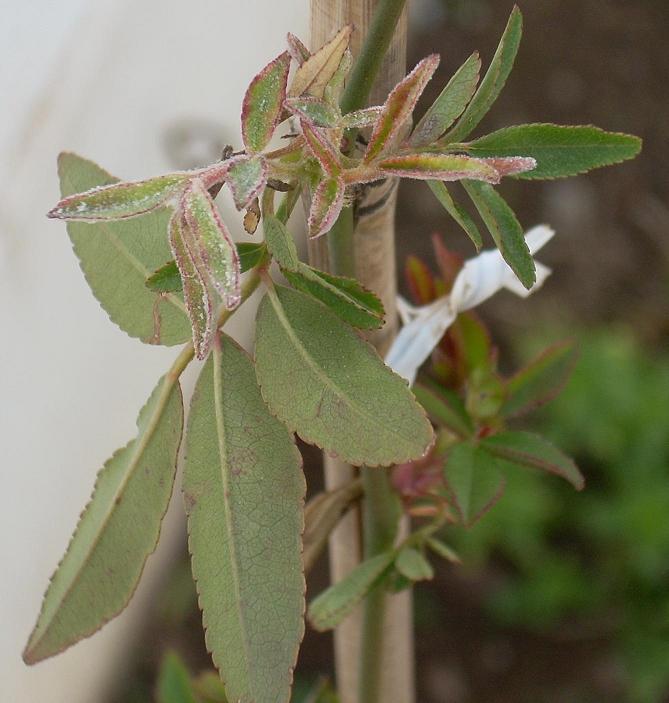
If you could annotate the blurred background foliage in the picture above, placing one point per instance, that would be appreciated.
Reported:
(562, 597)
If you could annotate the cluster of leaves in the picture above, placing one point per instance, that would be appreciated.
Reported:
(312, 373)
(471, 406)
(598, 562)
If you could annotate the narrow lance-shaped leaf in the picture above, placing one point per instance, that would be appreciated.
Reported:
(344, 296)
(457, 212)
(335, 86)
(541, 380)
(450, 103)
(505, 229)
(174, 683)
(359, 119)
(398, 107)
(280, 243)
(117, 258)
(116, 532)
(474, 481)
(337, 602)
(445, 408)
(530, 450)
(326, 204)
(118, 201)
(331, 387)
(216, 246)
(560, 151)
(244, 495)
(413, 565)
(493, 81)
(315, 111)
(263, 103)
(246, 177)
(441, 167)
(297, 50)
(322, 149)
(316, 71)
(196, 288)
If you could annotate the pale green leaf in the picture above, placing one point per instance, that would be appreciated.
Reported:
(439, 167)
(449, 105)
(246, 178)
(244, 494)
(263, 103)
(443, 550)
(560, 151)
(280, 244)
(530, 450)
(116, 532)
(445, 408)
(474, 480)
(316, 111)
(413, 565)
(333, 605)
(505, 229)
(457, 212)
(174, 683)
(331, 387)
(344, 296)
(493, 81)
(117, 258)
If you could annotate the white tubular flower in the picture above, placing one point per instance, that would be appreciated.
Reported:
(479, 279)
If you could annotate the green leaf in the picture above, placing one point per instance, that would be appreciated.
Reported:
(541, 380)
(439, 167)
(505, 229)
(117, 258)
(450, 103)
(443, 550)
(493, 81)
(244, 493)
(323, 150)
(337, 602)
(210, 688)
(314, 110)
(166, 279)
(117, 531)
(413, 565)
(444, 408)
(117, 201)
(318, 69)
(530, 450)
(326, 204)
(331, 387)
(358, 119)
(263, 103)
(474, 481)
(174, 684)
(457, 212)
(560, 151)
(280, 244)
(399, 106)
(344, 296)
(246, 178)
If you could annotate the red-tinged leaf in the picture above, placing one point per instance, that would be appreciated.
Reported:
(263, 103)
(360, 119)
(119, 201)
(198, 295)
(314, 74)
(322, 149)
(315, 111)
(419, 281)
(297, 50)
(511, 165)
(398, 107)
(471, 343)
(541, 380)
(246, 177)
(474, 481)
(530, 450)
(449, 105)
(440, 167)
(450, 264)
(217, 249)
(325, 206)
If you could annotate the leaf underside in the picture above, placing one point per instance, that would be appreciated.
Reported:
(118, 257)
(116, 532)
(244, 495)
(331, 387)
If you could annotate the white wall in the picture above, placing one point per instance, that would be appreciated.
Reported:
(105, 79)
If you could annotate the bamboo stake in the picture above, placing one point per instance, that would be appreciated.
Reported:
(374, 246)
